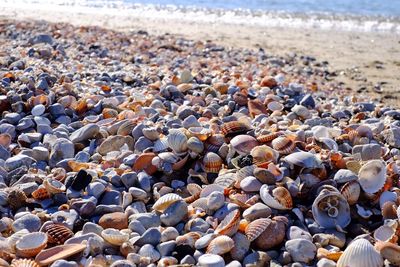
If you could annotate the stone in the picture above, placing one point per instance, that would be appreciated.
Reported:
(29, 222)
(18, 161)
(256, 211)
(96, 189)
(250, 184)
(62, 149)
(86, 132)
(368, 151)
(38, 110)
(265, 176)
(150, 236)
(258, 258)
(175, 213)
(166, 248)
(117, 220)
(326, 263)
(211, 260)
(136, 226)
(148, 220)
(301, 250)
(392, 136)
(296, 232)
(40, 153)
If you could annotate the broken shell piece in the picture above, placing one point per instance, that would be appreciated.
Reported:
(372, 176)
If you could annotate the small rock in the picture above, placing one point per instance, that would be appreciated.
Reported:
(256, 211)
(86, 132)
(211, 260)
(301, 250)
(38, 110)
(326, 263)
(150, 236)
(258, 258)
(296, 232)
(29, 222)
(117, 220)
(264, 176)
(175, 213)
(250, 184)
(18, 161)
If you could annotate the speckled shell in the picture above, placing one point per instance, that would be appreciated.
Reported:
(351, 192)
(372, 176)
(230, 224)
(165, 201)
(212, 162)
(114, 236)
(177, 140)
(360, 253)
(57, 233)
(243, 144)
(256, 228)
(31, 244)
(220, 245)
(53, 186)
(233, 128)
(279, 198)
(24, 263)
(283, 144)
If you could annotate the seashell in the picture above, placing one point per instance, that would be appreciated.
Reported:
(114, 236)
(177, 140)
(243, 173)
(266, 138)
(243, 144)
(16, 198)
(201, 133)
(151, 133)
(330, 209)
(331, 255)
(144, 162)
(360, 253)
(353, 166)
(53, 186)
(5, 140)
(279, 198)
(372, 176)
(351, 192)
(303, 159)
(389, 210)
(264, 154)
(126, 128)
(67, 101)
(214, 142)
(160, 145)
(273, 235)
(180, 163)
(57, 233)
(389, 251)
(230, 224)
(40, 193)
(212, 163)
(14, 238)
(167, 261)
(208, 189)
(386, 233)
(225, 180)
(233, 128)
(243, 200)
(188, 239)
(220, 245)
(301, 111)
(165, 201)
(195, 145)
(109, 113)
(31, 244)
(363, 212)
(284, 144)
(24, 263)
(256, 228)
(48, 256)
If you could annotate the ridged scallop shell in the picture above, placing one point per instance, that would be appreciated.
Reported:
(53, 186)
(372, 176)
(214, 142)
(266, 138)
(24, 263)
(195, 145)
(225, 180)
(177, 140)
(279, 198)
(114, 236)
(230, 224)
(389, 251)
(109, 113)
(264, 154)
(220, 245)
(188, 239)
(165, 201)
(360, 253)
(48, 256)
(200, 132)
(161, 145)
(243, 173)
(256, 228)
(212, 162)
(14, 238)
(243, 144)
(57, 233)
(31, 244)
(233, 128)
(151, 133)
(351, 192)
(386, 233)
(283, 144)
(126, 128)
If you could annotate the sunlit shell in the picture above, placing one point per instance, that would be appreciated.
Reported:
(279, 198)
(53, 186)
(40, 99)
(24, 263)
(58, 174)
(351, 192)
(263, 154)
(68, 101)
(188, 239)
(220, 245)
(212, 162)
(233, 128)
(177, 140)
(243, 144)
(165, 201)
(386, 233)
(199, 132)
(195, 145)
(160, 145)
(389, 210)
(48, 256)
(284, 144)
(109, 113)
(389, 251)
(214, 142)
(144, 162)
(57, 233)
(114, 236)
(360, 253)
(268, 137)
(14, 238)
(244, 200)
(256, 227)
(226, 179)
(372, 176)
(243, 173)
(230, 224)
(126, 128)
(31, 244)
(151, 133)
(167, 261)
(40, 193)
(5, 140)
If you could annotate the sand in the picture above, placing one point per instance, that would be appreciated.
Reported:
(367, 62)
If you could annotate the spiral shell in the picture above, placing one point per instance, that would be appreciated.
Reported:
(165, 201)
(220, 245)
(24, 263)
(283, 144)
(351, 192)
(360, 253)
(57, 233)
(177, 140)
(279, 198)
(230, 224)
(31, 244)
(212, 162)
(114, 236)
(233, 128)
(256, 228)
(53, 186)
(372, 176)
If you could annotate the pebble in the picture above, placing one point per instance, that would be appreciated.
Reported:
(166, 248)
(150, 236)
(117, 220)
(38, 110)
(175, 213)
(296, 232)
(301, 250)
(211, 260)
(250, 184)
(86, 132)
(256, 211)
(29, 222)
(18, 161)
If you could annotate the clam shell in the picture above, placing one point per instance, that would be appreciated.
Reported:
(360, 253)
(263, 154)
(279, 198)
(165, 201)
(256, 228)
(160, 145)
(177, 140)
(233, 128)
(230, 224)
(283, 144)
(114, 236)
(195, 145)
(144, 162)
(243, 173)
(200, 132)
(53, 186)
(385, 233)
(243, 144)
(14, 238)
(151, 133)
(31, 244)
(389, 251)
(48, 256)
(372, 176)
(351, 192)
(212, 162)
(57, 233)
(265, 138)
(220, 245)
(188, 239)
(24, 263)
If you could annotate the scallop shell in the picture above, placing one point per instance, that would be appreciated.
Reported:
(243, 173)
(385, 233)
(243, 144)
(372, 176)
(200, 132)
(230, 224)
(268, 137)
(212, 162)
(283, 144)
(256, 228)
(161, 145)
(389, 251)
(279, 198)
(177, 140)
(195, 145)
(220, 245)
(57, 233)
(53, 186)
(165, 201)
(5, 140)
(351, 192)
(24, 263)
(360, 253)
(31, 244)
(233, 128)
(48, 256)
(14, 238)
(114, 236)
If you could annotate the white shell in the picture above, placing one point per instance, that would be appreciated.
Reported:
(360, 253)
(114, 236)
(271, 201)
(31, 244)
(14, 238)
(372, 176)
(160, 145)
(165, 201)
(385, 233)
(177, 140)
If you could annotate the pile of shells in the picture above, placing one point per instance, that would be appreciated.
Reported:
(124, 149)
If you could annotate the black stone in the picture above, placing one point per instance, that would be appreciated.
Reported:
(81, 180)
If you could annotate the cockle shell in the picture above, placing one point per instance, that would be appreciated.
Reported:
(161, 145)
(177, 140)
(212, 162)
(233, 128)
(264, 154)
(24, 263)
(48, 256)
(57, 233)
(53, 186)
(351, 192)
(278, 198)
(265, 138)
(188, 239)
(165, 201)
(220, 245)
(230, 224)
(386, 233)
(31, 244)
(114, 236)
(151, 133)
(372, 176)
(360, 253)
(256, 228)
(284, 144)
(243, 144)
(389, 251)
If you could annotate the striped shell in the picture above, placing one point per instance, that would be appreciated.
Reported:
(40, 194)
(230, 224)
(372, 176)
(233, 128)
(53, 186)
(195, 145)
(31, 244)
(243, 173)
(360, 253)
(126, 128)
(109, 113)
(212, 162)
(283, 144)
(114, 236)
(263, 154)
(256, 228)
(161, 145)
(220, 245)
(214, 142)
(177, 140)
(165, 201)
(24, 263)
(351, 192)
(48, 256)
(57, 233)
(266, 138)
(244, 200)
(279, 198)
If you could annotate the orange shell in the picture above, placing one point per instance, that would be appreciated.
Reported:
(40, 194)
(143, 162)
(230, 224)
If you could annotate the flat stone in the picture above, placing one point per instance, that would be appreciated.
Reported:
(86, 132)
(166, 248)
(18, 161)
(38, 110)
(295, 232)
(301, 250)
(256, 211)
(117, 220)
(258, 258)
(148, 220)
(150, 236)
(96, 189)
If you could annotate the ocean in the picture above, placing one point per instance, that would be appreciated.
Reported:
(354, 15)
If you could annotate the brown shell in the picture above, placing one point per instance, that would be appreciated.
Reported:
(40, 194)
(283, 144)
(143, 162)
(109, 113)
(268, 137)
(233, 128)
(16, 198)
(188, 239)
(230, 224)
(126, 128)
(389, 210)
(256, 228)
(212, 162)
(57, 233)
(24, 263)
(351, 192)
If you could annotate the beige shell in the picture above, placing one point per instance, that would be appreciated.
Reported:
(53, 186)
(372, 176)
(177, 140)
(279, 198)
(264, 154)
(212, 162)
(230, 224)
(220, 245)
(389, 251)
(243, 144)
(283, 144)
(165, 201)
(48, 256)
(201, 133)
(360, 253)
(256, 228)
(24, 263)
(351, 192)
(31, 244)
(14, 238)
(114, 236)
